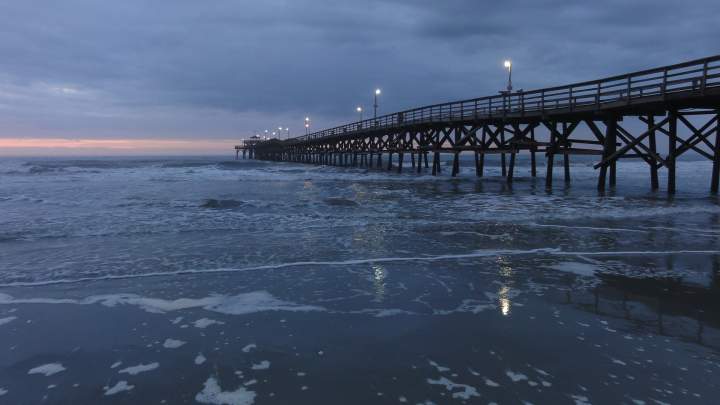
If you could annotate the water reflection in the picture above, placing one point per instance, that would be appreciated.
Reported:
(506, 272)
(661, 305)
(379, 274)
(504, 300)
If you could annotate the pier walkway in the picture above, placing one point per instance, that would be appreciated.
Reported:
(679, 102)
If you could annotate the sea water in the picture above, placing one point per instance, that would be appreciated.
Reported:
(207, 280)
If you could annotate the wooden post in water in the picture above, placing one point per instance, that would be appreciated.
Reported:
(502, 155)
(566, 155)
(533, 148)
(608, 149)
(654, 183)
(456, 164)
(672, 148)
(511, 168)
(550, 152)
(715, 181)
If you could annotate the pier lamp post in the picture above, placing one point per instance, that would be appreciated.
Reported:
(307, 125)
(359, 110)
(508, 66)
(375, 104)
(266, 134)
(287, 132)
(280, 131)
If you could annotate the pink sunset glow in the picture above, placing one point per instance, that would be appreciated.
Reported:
(63, 146)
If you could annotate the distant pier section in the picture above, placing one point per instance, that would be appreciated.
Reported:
(654, 115)
(247, 147)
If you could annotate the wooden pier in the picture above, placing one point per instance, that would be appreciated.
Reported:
(247, 147)
(619, 117)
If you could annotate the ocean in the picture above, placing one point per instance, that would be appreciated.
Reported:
(208, 280)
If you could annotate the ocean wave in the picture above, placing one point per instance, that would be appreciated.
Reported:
(549, 252)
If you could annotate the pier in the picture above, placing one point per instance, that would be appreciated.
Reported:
(247, 148)
(614, 118)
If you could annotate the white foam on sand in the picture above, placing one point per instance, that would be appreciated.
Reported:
(47, 369)
(140, 368)
(119, 387)
(116, 364)
(515, 377)
(172, 343)
(241, 304)
(439, 368)
(199, 359)
(474, 254)
(8, 319)
(466, 392)
(249, 347)
(263, 365)
(3, 391)
(213, 394)
(581, 269)
(205, 322)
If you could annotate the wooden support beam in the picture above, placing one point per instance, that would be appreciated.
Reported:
(715, 181)
(533, 148)
(550, 152)
(630, 145)
(608, 150)
(654, 182)
(511, 168)
(502, 155)
(672, 150)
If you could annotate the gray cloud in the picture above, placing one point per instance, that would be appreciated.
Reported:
(217, 68)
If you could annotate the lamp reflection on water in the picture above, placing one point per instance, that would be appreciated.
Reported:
(379, 275)
(504, 300)
(507, 273)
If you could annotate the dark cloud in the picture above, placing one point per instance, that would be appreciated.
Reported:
(184, 67)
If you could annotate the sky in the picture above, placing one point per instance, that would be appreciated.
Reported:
(191, 76)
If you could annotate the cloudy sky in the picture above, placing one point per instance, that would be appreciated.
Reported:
(175, 75)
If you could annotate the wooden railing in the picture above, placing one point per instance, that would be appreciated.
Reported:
(696, 75)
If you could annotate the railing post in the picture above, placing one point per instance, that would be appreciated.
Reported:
(570, 99)
(629, 88)
(597, 96)
(664, 84)
(542, 102)
(704, 77)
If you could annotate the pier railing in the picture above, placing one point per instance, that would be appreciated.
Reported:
(697, 75)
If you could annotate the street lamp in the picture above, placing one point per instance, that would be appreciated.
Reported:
(375, 105)
(508, 66)
(307, 125)
(287, 131)
(359, 110)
